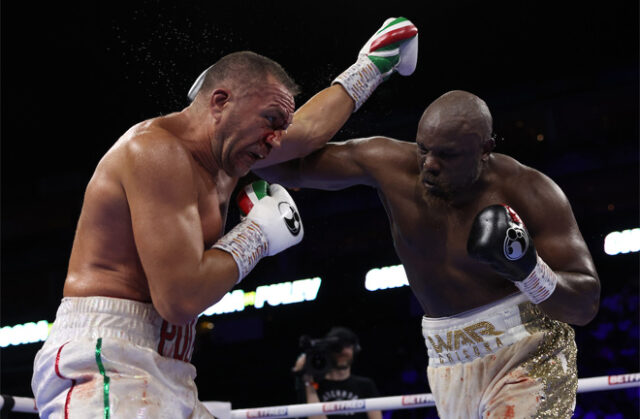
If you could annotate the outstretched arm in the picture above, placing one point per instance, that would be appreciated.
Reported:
(393, 48)
(314, 123)
(342, 164)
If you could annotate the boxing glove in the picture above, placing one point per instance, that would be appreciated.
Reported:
(271, 223)
(499, 237)
(394, 47)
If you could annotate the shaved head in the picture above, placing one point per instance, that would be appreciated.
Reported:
(458, 113)
(454, 143)
(247, 72)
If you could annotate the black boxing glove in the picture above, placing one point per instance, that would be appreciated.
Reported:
(498, 237)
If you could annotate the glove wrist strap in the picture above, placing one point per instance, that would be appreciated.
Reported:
(360, 80)
(540, 283)
(247, 243)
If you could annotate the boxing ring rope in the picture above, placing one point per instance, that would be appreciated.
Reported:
(223, 410)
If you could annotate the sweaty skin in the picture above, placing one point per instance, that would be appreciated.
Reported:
(432, 190)
(158, 199)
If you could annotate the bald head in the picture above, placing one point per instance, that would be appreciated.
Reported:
(458, 113)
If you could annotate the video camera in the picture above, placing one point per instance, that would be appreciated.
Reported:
(318, 354)
(318, 351)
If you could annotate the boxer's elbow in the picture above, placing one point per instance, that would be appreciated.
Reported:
(176, 304)
(575, 300)
(591, 302)
(175, 311)
(180, 302)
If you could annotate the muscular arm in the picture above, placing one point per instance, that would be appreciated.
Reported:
(340, 165)
(550, 220)
(314, 123)
(183, 277)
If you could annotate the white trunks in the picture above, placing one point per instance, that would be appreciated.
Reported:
(506, 359)
(115, 358)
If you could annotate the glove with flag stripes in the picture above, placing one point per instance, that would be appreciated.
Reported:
(394, 47)
(270, 225)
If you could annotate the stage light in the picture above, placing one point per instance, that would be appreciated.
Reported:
(24, 333)
(625, 241)
(386, 277)
(274, 295)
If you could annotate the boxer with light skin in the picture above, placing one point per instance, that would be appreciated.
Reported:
(194, 158)
(439, 194)
(150, 252)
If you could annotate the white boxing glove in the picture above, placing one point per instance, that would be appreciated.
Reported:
(394, 47)
(271, 225)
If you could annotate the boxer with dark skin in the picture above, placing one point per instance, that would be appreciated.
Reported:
(433, 189)
(493, 352)
(158, 199)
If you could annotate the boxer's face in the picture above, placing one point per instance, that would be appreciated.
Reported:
(255, 123)
(449, 160)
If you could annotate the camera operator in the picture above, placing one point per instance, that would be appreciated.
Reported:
(323, 372)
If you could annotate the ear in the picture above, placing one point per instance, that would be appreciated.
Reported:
(218, 100)
(487, 148)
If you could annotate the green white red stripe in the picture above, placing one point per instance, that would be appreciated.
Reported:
(251, 194)
(105, 378)
(398, 30)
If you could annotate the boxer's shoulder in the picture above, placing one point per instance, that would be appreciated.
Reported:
(148, 152)
(513, 173)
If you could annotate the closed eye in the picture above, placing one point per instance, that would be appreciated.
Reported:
(448, 154)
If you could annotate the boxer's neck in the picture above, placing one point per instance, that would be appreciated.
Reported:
(194, 136)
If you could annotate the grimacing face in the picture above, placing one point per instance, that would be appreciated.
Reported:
(448, 163)
(255, 124)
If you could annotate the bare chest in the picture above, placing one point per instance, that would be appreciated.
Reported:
(431, 240)
(213, 203)
(426, 235)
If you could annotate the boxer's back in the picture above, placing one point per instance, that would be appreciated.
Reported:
(104, 260)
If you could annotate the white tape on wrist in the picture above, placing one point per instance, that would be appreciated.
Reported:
(246, 243)
(360, 80)
(540, 283)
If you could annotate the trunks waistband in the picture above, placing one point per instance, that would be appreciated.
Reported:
(133, 321)
(478, 332)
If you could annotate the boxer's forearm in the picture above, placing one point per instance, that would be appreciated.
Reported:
(318, 120)
(314, 124)
(183, 291)
(575, 299)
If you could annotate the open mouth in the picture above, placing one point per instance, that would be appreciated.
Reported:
(256, 156)
(428, 183)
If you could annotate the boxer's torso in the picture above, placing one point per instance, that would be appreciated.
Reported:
(430, 237)
(104, 260)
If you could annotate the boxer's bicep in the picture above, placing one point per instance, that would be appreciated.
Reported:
(339, 165)
(167, 230)
(335, 166)
(164, 214)
(552, 224)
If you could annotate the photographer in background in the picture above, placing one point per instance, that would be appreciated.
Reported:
(323, 372)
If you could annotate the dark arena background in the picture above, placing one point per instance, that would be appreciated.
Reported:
(561, 79)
